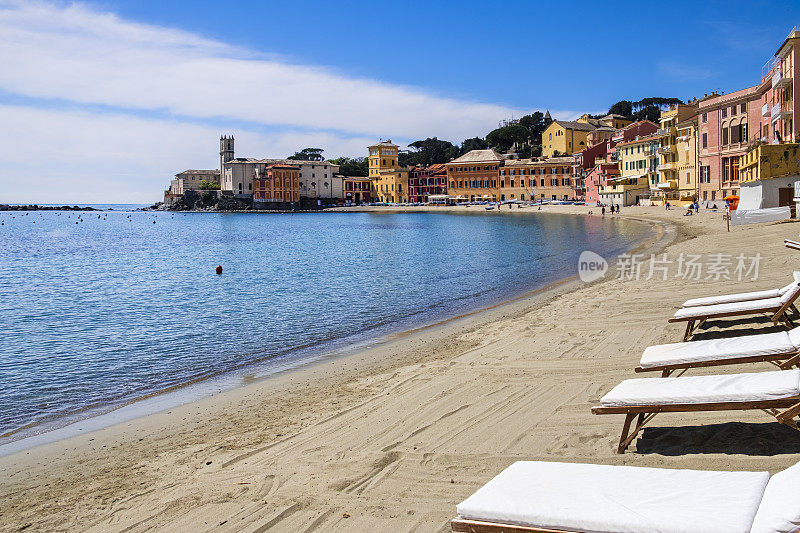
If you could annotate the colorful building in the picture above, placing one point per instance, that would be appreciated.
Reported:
(277, 183)
(389, 179)
(687, 174)
(598, 177)
(724, 125)
(779, 102)
(767, 175)
(426, 181)
(564, 137)
(474, 176)
(357, 189)
(667, 183)
(637, 161)
(536, 180)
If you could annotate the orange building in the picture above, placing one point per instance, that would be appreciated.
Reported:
(537, 179)
(473, 176)
(277, 183)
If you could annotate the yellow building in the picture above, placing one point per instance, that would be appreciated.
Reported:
(637, 160)
(667, 188)
(389, 179)
(687, 174)
(767, 175)
(564, 137)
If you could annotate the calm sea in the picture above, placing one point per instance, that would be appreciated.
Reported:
(98, 309)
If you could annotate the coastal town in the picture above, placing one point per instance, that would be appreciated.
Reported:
(718, 149)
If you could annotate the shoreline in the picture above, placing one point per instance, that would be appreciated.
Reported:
(100, 417)
(395, 435)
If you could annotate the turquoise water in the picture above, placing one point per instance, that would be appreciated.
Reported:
(100, 309)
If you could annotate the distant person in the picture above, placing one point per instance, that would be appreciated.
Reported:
(604, 211)
(688, 212)
(666, 206)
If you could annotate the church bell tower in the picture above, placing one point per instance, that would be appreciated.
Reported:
(225, 151)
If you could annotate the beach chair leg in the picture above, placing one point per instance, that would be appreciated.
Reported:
(787, 416)
(688, 334)
(627, 435)
(666, 372)
(789, 363)
(624, 441)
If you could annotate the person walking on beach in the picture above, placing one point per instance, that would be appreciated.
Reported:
(604, 210)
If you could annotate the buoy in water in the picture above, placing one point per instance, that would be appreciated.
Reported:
(219, 270)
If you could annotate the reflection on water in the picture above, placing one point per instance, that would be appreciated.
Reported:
(116, 306)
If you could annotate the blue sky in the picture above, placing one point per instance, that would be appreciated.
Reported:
(118, 96)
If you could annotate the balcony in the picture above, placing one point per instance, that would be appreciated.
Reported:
(765, 110)
(668, 184)
(667, 166)
(779, 112)
(666, 131)
(780, 80)
(664, 150)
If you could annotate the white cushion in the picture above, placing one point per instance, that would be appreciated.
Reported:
(619, 499)
(779, 511)
(733, 307)
(753, 387)
(729, 298)
(794, 336)
(790, 294)
(717, 349)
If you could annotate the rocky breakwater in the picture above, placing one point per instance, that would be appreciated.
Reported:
(35, 207)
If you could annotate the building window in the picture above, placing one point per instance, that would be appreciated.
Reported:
(724, 112)
(724, 136)
(705, 140)
(743, 107)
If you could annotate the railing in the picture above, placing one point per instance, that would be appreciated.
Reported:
(667, 166)
(765, 110)
(779, 80)
(666, 149)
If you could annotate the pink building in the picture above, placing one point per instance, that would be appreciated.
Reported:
(596, 178)
(779, 101)
(725, 123)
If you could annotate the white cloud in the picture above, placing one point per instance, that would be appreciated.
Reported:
(158, 99)
(80, 54)
(83, 157)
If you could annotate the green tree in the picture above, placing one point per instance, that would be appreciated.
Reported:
(475, 143)
(209, 185)
(352, 167)
(308, 154)
(429, 152)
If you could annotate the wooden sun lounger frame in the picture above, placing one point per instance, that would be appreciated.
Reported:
(460, 525)
(792, 244)
(784, 361)
(784, 410)
(779, 314)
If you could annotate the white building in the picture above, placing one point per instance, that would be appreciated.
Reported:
(188, 180)
(317, 178)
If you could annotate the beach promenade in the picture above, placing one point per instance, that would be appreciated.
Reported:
(393, 437)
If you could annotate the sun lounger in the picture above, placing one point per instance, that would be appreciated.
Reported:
(794, 245)
(740, 297)
(778, 308)
(780, 348)
(776, 392)
(534, 496)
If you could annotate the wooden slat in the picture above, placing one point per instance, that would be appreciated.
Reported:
(781, 403)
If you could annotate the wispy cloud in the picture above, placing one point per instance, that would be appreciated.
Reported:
(100, 97)
(79, 54)
(78, 156)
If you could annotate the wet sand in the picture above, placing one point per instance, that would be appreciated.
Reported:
(393, 437)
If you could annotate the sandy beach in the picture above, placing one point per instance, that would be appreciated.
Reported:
(391, 438)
